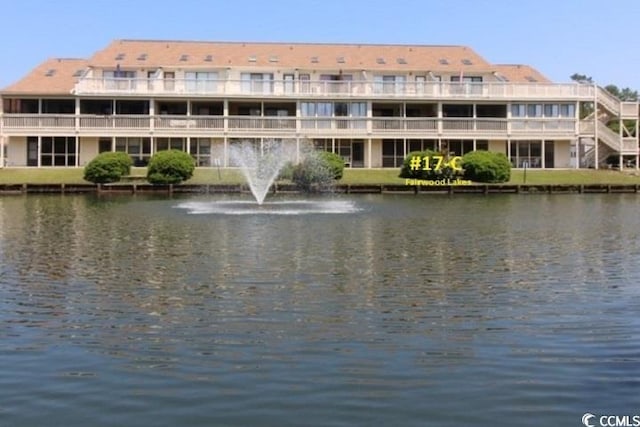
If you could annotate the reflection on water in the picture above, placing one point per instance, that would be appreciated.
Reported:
(404, 310)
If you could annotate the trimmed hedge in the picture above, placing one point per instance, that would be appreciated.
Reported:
(170, 167)
(318, 169)
(486, 166)
(108, 167)
(445, 171)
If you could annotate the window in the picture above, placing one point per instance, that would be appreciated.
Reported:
(170, 144)
(392, 153)
(458, 147)
(288, 83)
(469, 84)
(119, 79)
(104, 145)
(139, 149)
(422, 144)
(201, 151)
(420, 83)
(518, 110)
(551, 110)
(534, 110)
(200, 81)
(389, 84)
(257, 82)
(526, 154)
(58, 151)
(305, 86)
(169, 80)
(568, 110)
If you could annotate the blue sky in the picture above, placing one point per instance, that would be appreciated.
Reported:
(600, 39)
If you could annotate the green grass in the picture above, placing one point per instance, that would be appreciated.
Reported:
(351, 176)
(581, 176)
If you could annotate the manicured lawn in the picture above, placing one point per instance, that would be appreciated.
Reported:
(583, 176)
(351, 176)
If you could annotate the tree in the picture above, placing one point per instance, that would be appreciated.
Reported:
(108, 167)
(581, 78)
(623, 94)
(170, 167)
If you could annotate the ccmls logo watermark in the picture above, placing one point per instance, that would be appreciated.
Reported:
(591, 420)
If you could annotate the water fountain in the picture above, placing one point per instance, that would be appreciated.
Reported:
(261, 165)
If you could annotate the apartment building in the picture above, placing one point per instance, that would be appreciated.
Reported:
(372, 104)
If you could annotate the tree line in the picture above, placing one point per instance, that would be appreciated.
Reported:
(623, 94)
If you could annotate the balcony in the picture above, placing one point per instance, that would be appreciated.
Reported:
(357, 127)
(332, 89)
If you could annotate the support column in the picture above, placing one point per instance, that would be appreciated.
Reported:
(369, 153)
(595, 128)
(77, 151)
(542, 151)
(152, 118)
(439, 123)
(225, 115)
(509, 151)
(577, 143)
(225, 150)
(77, 133)
(39, 151)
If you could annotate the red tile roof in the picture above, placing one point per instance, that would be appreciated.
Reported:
(55, 76)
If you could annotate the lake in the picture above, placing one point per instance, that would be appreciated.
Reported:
(367, 310)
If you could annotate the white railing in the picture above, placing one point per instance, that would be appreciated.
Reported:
(334, 124)
(629, 109)
(565, 126)
(360, 125)
(587, 127)
(115, 122)
(179, 123)
(30, 121)
(629, 145)
(609, 101)
(609, 137)
(345, 88)
(283, 124)
(473, 125)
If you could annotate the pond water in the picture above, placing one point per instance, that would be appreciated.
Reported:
(369, 310)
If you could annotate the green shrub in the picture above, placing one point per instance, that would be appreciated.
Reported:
(435, 172)
(320, 169)
(286, 173)
(108, 167)
(334, 162)
(170, 167)
(486, 166)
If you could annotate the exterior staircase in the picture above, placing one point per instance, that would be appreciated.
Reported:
(609, 108)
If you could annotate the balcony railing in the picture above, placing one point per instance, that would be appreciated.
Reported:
(345, 88)
(362, 126)
(564, 126)
(21, 121)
